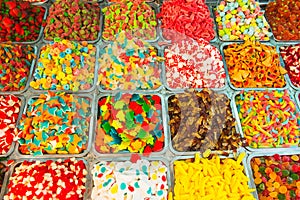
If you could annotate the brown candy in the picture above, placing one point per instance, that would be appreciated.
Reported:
(201, 121)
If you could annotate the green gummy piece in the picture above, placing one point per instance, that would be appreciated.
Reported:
(221, 32)
(146, 107)
(276, 169)
(285, 172)
(119, 105)
(142, 134)
(262, 186)
(295, 176)
(281, 196)
(129, 4)
(150, 140)
(153, 23)
(141, 18)
(292, 194)
(106, 126)
(66, 14)
(117, 11)
(52, 20)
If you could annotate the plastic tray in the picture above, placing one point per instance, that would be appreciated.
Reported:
(261, 154)
(260, 149)
(122, 154)
(79, 91)
(219, 152)
(224, 45)
(19, 155)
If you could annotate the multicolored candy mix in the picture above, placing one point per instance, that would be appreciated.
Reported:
(241, 20)
(277, 177)
(202, 120)
(10, 106)
(131, 16)
(189, 18)
(268, 118)
(48, 180)
(191, 64)
(291, 57)
(129, 123)
(15, 64)
(20, 21)
(129, 63)
(254, 65)
(65, 65)
(73, 20)
(126, 180)
(200, 178)
(55, 124)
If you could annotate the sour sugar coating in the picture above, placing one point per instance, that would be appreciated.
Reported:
(277, 176)
(129, 123)
(200, 178)
(254, 65)
(20, 21)
(241, 20)
(55, 124)
(15, 61)
(65, 65)
(73, 20)
(136, 16)
(190, 18)
(291, 57)
(10, 106)
(268, 118)
(284, 18)
(133, 181)
(191, 64)
(202, 120)
(129, 63)
(60, 179)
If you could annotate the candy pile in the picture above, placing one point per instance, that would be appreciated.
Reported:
(191, 64)
(126, 180)
(202, 177)
(65, 65)
(15, 62)
(9, 112)
(284, 18)
(131, 16)
(20, 21)
(241, 20)
(129, 123)
(73, 20)
(48, 180)
(129, 63)
(55, 123)
(201, 121)
(291, 57)
(268, 118)
(3, 170)
(191, 18)
(277, 177)
(254, 65)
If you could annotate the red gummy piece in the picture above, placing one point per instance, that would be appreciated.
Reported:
(147, 151)
(156, 99)
(11, 4)
(286, 159)
(135, 157)
(137, 109)
(7, 22)
(130, 188)
(277, 157)
(158, 146)
(295, 168)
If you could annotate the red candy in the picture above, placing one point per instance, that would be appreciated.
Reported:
(9, 112)
(190, 18)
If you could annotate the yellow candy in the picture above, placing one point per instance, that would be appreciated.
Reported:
(221, 7)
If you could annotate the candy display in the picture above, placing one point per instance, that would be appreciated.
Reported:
(126, 180)
(20, 21)
(200, 178)
(277, 176)
(65, 65)
(291, 57)
(55, 124)
(15, 62)
(191, 18)
(51, 179)
(268, 118)
(129, 123)
(73, 20)
(136, 16)
(10, 106)
(129, 63)
(191, 64)
(254, 65)
(284, 18)
(202, 120)
(241, 20)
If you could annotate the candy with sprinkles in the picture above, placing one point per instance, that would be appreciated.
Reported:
(55, 123)
(126, 180)
(129, 123)
(50, 179)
